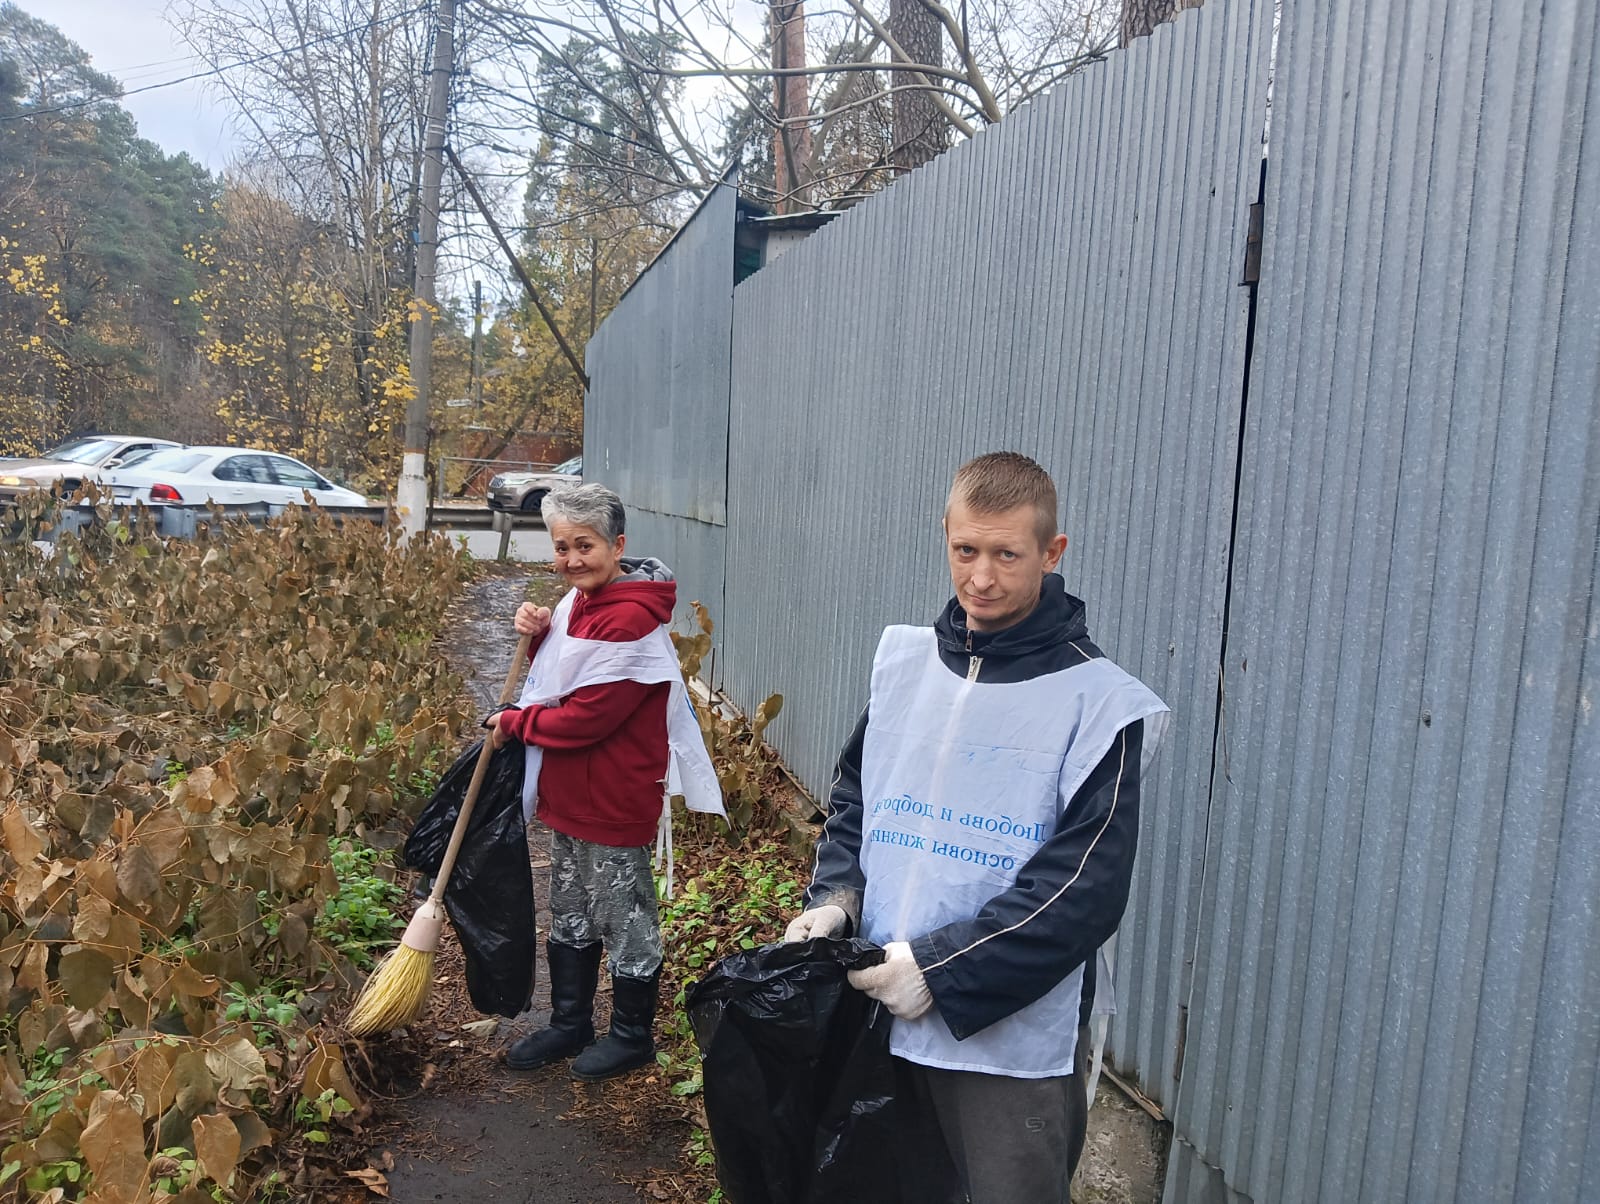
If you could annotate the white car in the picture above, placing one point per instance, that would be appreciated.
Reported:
(74, 462)
(193, 476)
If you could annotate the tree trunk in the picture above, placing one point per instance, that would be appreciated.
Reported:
(1140, 17)
(920, 129)
(791, 141)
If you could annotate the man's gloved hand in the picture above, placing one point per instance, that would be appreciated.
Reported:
(896, 982)
(828, 920)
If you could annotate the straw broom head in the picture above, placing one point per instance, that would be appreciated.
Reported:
(398, 989)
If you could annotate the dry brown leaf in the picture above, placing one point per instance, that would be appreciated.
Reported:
(186, 980)
(237, 1064)
(165, 835)
(324, 1069)
(85, 975)
(196, 1088)
(253, 1132)
(28, 886)
(152, 1071)
(376, 1182)
(22, 839)
(216, 1147)
(113, 1145)
(138, 876)
(93, 919)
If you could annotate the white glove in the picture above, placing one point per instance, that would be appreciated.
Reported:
(828, 920)
(896, 982)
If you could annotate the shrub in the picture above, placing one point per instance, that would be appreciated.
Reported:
(197, 740)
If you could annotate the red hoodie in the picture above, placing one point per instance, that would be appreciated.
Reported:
(605, 746)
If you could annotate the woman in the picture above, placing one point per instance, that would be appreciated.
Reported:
(602, 687)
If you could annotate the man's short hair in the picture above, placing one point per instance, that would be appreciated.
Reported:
(592, 506)
(1000, 481)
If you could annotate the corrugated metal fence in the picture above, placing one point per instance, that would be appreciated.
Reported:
(656, 417)
(1362, 959)
(1397, 990)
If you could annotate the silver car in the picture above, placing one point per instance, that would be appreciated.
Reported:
(74, 462)
(526, 490)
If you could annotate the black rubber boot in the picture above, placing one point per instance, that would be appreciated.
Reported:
(631, 1042)
(574, 974)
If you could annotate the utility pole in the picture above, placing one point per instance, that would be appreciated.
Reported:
(791, 140)
(474, 383)
(412, 496)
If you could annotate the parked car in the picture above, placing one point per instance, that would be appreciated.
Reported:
(230, 475)
(74, 462)
(526, 490)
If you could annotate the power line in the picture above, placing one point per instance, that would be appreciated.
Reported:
(170, 83)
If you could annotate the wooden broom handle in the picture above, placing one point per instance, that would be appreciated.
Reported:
(479, 772)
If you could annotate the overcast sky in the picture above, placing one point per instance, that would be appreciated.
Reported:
(131, 41)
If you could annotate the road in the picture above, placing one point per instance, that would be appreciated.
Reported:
(527, 543)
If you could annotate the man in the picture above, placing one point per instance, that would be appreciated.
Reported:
(606, 721)
(982, 827)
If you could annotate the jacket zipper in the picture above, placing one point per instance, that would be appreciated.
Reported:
(976, 661)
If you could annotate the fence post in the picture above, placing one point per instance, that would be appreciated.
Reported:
(501, 522)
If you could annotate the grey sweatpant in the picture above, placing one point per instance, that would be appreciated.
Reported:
(1014, 1140)
(602, 893)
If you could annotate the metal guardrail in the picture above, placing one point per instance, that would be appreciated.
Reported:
(187, 522)
(178, 521)
(478, 518)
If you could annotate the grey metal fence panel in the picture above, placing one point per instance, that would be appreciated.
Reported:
(656, 414)
(1065, 283)
(694, 551)
(1399, 953)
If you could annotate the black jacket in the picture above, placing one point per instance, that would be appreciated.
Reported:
(1070, 895)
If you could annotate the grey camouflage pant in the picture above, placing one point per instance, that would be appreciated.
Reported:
(602, 893)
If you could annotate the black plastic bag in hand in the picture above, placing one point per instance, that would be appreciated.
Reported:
(490, 892)
(804, 1101)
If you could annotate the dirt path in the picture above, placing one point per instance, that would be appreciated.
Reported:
(469, 1128)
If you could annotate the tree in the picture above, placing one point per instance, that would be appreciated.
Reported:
(331, 92)
(1140, 17)
(920, 129)
(1001, 54)
(93, 327)
(53, 70)
(275, 315)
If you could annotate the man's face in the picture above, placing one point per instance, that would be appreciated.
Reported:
(583, 556)
(997, 563)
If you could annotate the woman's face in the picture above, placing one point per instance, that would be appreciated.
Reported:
(584, 557)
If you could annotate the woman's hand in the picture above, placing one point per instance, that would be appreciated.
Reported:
(531, 620)
(498, 737)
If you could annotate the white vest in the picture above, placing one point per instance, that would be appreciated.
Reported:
(961, 782)
(565, 663)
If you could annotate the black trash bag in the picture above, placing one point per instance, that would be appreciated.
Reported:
(804, 1101)
(490, 893)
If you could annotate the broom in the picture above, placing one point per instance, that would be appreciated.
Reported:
(397, 990)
